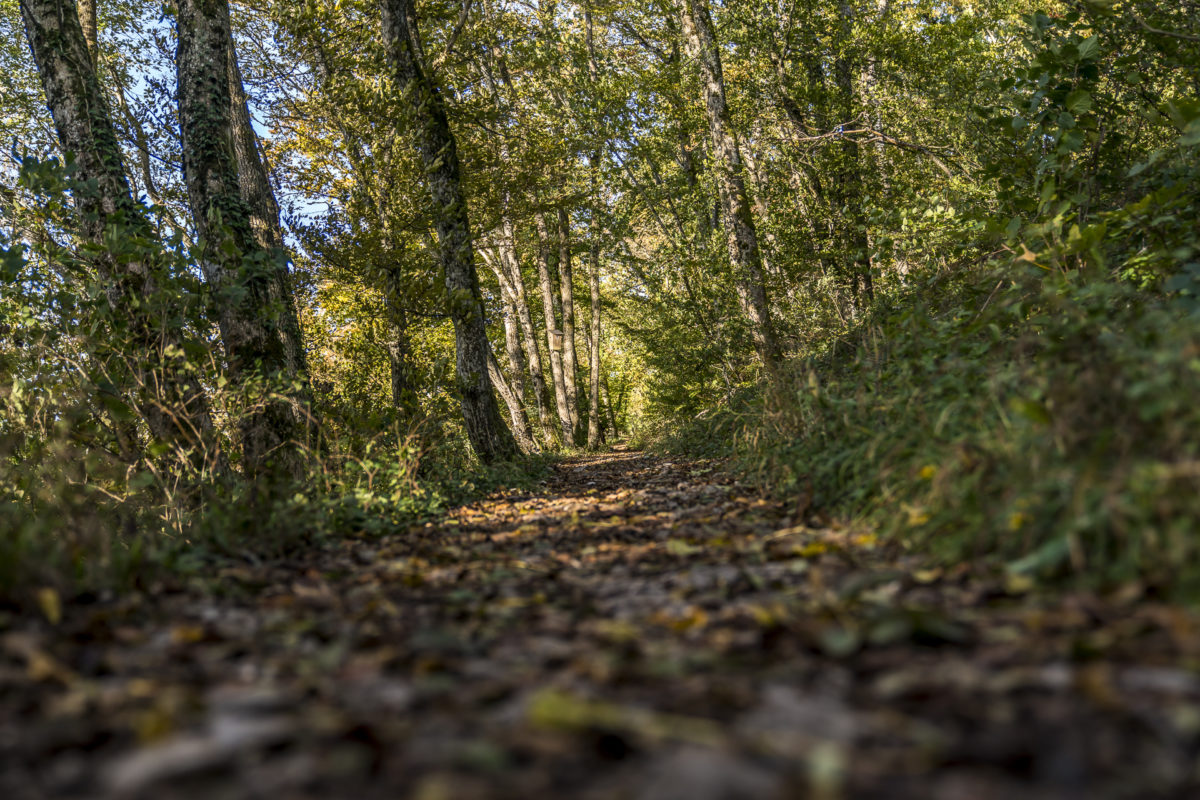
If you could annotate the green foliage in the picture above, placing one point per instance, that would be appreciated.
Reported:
(1036, 412)
(91, 502)
(1053, 430)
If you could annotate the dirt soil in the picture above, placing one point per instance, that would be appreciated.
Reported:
(637, 627)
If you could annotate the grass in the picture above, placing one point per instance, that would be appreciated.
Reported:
(1043, 423)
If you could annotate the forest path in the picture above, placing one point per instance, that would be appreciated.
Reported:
(636, 627)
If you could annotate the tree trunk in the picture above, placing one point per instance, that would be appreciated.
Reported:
(240, 272)
(533, 353)
(740, 234)
(512, 347)
(566, 285)
(612, 417)
(404, 392)
(89, 21)
(612, 407)
(516, 408)
(168, 397)
(254, 185)
(595, 430)
(490, 438)
(550, 302)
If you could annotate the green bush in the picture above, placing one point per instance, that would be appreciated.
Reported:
(1049, 425)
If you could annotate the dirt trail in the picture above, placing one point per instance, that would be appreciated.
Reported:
(637, 627)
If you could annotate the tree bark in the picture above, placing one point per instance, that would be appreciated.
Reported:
(254, 185)
(89, 21)
(512, 347)
(566, 285)
(550, 308)
(516, 408)
(240, 272)
(490, 438)
(595, 430)
(404, 393)
(167, 396)
(612, 416)
(740, 233)
(533, 353)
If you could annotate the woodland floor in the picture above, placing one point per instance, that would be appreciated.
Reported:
(636, 627)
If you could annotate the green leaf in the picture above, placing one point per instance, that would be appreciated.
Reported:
(1051, 554)
(1089, 48)
(1030, 409)
(1079, 102)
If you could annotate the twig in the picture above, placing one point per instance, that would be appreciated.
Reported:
(1187, 37)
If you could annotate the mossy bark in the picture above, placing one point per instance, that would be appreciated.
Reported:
(490, 437)
(741, 235)
(241, 273)
(157, 380)
(254, 185)
(566, 288)
(552, 311)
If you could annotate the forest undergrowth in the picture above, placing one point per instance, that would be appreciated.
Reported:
(647, 399)
(1042, 426)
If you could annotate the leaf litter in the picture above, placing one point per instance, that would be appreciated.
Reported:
(635, 628)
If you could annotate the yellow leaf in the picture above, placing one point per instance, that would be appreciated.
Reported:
(927, 575)
(928, 471)
(695, 618)
(1017, 583)
(917, 516)
(186, 634)
(153, 724)
(51, 604)
(42, 667)
(762, 615)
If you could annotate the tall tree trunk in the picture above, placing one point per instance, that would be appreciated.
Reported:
(533, 353)
(91, 29)
(740, 233)
(566, 285)
(516, 408)
(240, 272)
(512, 347)
(612, 416)
(551, 301)
(595, 429)
(404, 392)
(166, 394)
(254, 185)
(489, 437)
